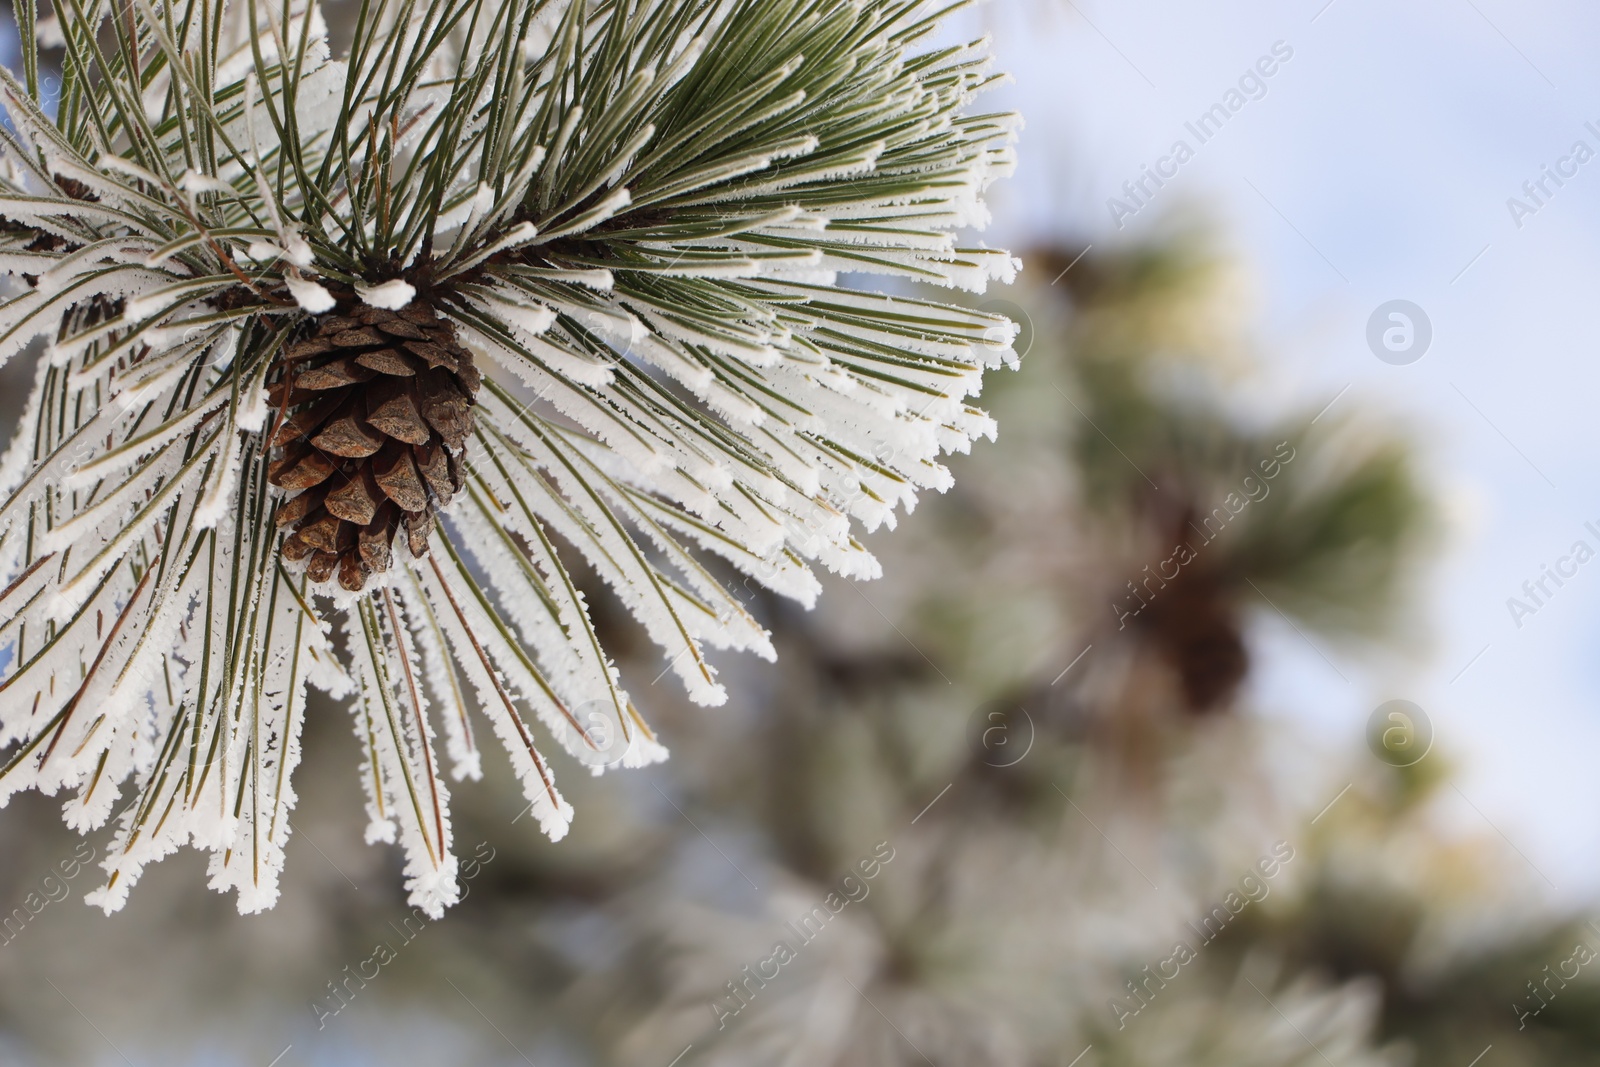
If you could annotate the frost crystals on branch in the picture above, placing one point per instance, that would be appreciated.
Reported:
(354, 344)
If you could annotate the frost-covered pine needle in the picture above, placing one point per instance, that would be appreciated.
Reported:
(620, 227)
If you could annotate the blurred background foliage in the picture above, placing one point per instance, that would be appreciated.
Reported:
(1043, 714)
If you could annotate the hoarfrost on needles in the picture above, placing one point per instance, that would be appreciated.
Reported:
(604, 328)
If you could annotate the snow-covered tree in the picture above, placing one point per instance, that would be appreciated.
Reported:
(382, 344)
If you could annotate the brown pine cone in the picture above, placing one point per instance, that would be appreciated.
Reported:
(374, 410)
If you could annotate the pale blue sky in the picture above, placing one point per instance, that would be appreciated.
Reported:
(1378, 165)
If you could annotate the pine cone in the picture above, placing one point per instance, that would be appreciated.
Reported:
(374, 409)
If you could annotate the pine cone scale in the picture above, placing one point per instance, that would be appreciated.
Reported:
(321, 532)
(347, 436)
(401, 482)
(300, 468)
(305, 421)
(301, 506)
(310, 347)
(435, 468)
(374, 539)
(390, 361)
(334, 375)
(399, 327)
(364, 337)
(432, 353)
(320, 569)
(357, 500)
(392, 409)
